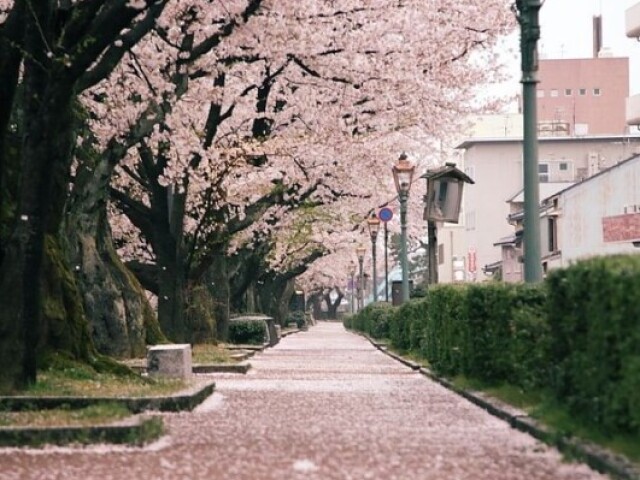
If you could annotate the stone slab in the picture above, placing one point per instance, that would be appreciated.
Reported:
(169, 361)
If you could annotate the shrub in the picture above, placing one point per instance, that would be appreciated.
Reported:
(251, 332)
(444, 336)
(530, 337)
(594, 318)
(487, 337)
(297, 317)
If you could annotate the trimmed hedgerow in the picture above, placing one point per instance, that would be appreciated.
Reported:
(249, 332)
(577, 334)
(594, 318)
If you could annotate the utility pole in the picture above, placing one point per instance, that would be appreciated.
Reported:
(527, 13)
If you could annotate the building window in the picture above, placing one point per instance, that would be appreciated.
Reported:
(540, 93)
(596, 92)
(583, 92)
(568, 92)
(543, 172)
(554, 92)
(553, 235)
(441, 254)
(564, 166)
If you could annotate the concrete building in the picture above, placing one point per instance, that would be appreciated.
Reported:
(599, 216)
(583, 96)
(496, 166)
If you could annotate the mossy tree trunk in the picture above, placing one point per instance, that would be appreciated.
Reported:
(120, 318)
(275, 294)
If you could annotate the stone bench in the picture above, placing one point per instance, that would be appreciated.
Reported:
(169, 361)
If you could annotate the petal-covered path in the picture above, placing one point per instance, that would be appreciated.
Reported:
(323, 404)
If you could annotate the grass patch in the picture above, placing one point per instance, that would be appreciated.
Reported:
(563, 422)
(540, 405)
(206, 353)
(81, 380)
(99, 414)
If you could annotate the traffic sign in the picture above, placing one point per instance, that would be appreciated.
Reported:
(385, 214)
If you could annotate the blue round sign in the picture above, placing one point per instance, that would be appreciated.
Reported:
(385, 214)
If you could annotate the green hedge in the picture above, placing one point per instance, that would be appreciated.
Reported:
(577, 334)
(594, 317)
(374, 320)
(247, 332)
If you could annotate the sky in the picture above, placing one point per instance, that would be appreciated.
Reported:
(566, 32)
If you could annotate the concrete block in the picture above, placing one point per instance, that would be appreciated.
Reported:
(170, 361)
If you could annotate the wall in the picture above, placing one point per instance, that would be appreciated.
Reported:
(583, 232)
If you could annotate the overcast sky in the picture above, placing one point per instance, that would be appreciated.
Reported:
(566, 32)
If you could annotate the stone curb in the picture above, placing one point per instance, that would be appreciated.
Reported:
(221, 368)
(596, 457)
(166, 403)
(136, 431)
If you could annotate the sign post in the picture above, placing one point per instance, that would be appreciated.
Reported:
(385, 215)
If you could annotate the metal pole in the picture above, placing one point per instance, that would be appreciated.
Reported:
(386, 264)
(432, 237)
(403, 247)
(529, 35)
(375, 277)
(361, 284)
(353, 297)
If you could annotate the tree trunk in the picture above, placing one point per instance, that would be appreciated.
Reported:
(199, 314)
(315, 299)
(218, 282)
(120, 318)
(46, 156)
(274, 297)
(332, 307)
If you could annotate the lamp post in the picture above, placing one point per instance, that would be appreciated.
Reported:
(360, 251)
(402, 176)
(442, 204)
(352, 273)
(527, 12)
(374, 226)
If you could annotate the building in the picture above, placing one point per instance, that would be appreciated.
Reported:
(583, 96)
(599, 216)
(496, 166)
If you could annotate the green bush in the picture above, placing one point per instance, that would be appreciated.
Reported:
(488, 336)
(594, 318)
(399, 328)
(444, 338)
(297, 317)
(250, 332)
(530, 337)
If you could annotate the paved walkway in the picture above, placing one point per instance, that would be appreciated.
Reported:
(323, 404)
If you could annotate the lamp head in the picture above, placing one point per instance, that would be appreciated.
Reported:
(403, 174)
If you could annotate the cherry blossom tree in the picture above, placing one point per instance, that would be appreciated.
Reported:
(306, 91)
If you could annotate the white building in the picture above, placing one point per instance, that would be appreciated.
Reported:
(496, 166)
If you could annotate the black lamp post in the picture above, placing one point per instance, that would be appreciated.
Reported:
(403, 175)
(373, 222)
(360, 251)
(352, 273)
(527, 13)
(443, 199)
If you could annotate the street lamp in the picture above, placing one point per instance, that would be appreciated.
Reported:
(352, 273)
(443, 199)
(402, 176)
(527, 13)
(373, 222)
(360, 251)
